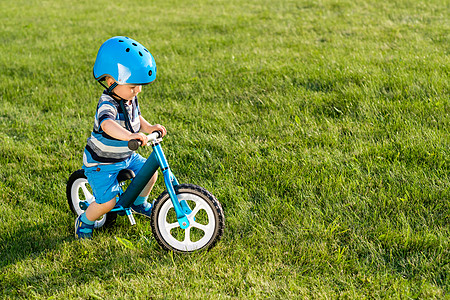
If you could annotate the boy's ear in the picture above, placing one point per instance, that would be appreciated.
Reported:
(109, 80)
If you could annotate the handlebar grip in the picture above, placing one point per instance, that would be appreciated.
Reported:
(159, 134)
(134, 144)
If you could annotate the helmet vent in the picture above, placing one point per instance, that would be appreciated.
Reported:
(145, 50)
(134, 44)
(120, 41)
(150, 73)
(140, 53)
(128, 49)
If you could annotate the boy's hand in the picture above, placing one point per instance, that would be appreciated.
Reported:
(139, 136)
(160, 128)
(148, 128)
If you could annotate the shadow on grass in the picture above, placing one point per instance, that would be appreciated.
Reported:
(36, 263)
(28, 240)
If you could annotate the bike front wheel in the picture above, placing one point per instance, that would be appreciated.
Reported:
(206, 220)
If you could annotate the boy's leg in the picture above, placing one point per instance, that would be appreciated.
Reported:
(140, 205)
(84, 224)
(148, 188)
(95, 210)
(135, 163)
(105, 187)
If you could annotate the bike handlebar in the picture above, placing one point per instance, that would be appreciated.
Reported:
(135, 144)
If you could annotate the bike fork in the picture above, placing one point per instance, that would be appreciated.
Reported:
(181, 208)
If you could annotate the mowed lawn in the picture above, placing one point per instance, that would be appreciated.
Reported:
(321, 126)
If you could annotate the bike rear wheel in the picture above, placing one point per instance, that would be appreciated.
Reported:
(78, 190)
(206, 220)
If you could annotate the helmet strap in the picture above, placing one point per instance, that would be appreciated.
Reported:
(109, 91)
(126, 117)
(111, 87)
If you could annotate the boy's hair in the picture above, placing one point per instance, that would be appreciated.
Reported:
(105, 78)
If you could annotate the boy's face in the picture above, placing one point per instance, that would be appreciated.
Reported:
(126, 91)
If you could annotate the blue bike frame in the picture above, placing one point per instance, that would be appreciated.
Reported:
(155, 160)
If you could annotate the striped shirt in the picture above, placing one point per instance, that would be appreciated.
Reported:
(102, 148)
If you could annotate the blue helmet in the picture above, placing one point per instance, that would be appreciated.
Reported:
(125, 60)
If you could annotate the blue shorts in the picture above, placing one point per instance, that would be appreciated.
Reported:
(103, 178)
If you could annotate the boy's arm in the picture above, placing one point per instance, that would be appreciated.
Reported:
(118, 132)
(148, 128)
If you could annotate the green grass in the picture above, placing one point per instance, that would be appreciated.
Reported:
(321, 126)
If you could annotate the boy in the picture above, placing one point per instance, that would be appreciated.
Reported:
(124, 65)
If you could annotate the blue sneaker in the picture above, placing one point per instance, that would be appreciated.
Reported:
(83, 230)
(144, 209)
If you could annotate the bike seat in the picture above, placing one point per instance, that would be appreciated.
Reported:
(125, 175)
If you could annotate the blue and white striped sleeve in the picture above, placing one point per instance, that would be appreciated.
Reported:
(106, 110)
